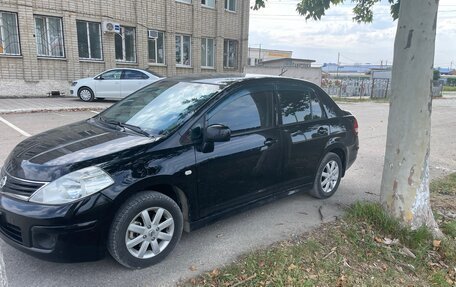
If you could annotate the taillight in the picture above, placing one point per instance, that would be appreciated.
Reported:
(355, 126)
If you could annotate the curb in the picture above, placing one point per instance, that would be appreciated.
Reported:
(57, 109)
(35, 97)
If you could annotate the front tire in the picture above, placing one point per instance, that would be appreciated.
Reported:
(145, 230)
(328, 176)
(86, 94)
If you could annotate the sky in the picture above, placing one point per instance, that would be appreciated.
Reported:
(278, 26)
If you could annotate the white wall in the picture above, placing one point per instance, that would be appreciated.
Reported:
(21, 88)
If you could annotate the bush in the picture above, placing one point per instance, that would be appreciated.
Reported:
(436, 75)
(451, 82)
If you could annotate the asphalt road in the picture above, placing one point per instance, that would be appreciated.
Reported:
(222, 242)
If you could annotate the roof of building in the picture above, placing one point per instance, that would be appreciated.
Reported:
(444, 70)
(269, 50)
(288, 59)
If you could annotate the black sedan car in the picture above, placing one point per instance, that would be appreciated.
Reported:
(173, 156)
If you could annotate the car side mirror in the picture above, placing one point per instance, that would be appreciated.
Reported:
(99, 78)
(218, 133)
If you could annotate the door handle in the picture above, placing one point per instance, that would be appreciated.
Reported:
(269, 142)
(322, 131)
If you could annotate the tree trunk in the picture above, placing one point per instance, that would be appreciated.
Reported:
(405, 181)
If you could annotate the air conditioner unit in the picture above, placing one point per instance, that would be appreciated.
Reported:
(153, 34)
(111, 27)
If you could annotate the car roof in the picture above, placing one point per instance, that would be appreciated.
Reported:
(223, 79)
(136, 69)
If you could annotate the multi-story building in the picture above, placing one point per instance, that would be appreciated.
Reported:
(45, 44)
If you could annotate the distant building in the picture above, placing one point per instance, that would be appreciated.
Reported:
(288, 62)
(357, 68)
(288, 67)
(44, 45)
(445, 71)
(258, 55)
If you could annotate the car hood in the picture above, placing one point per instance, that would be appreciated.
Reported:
(51, 154)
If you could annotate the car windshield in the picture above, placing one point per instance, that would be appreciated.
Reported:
(160, 107)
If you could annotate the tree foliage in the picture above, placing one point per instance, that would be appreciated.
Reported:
(315, 9)
(436, 75)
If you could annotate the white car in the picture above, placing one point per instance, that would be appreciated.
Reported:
(114, 84)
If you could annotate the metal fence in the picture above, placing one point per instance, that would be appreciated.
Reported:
(377, 88)
(356, 87)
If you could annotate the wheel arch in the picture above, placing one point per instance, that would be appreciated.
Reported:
(85, 85)
(170, 190)
(341, 152)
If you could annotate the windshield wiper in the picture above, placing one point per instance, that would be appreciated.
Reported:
(133, 128)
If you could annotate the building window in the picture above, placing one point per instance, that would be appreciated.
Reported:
(89, 40)
(183, 50)
(49, 36)
(9, 35)
(230, 54)
(230, 5)
(125, 45)
(207, 52)
(157, 49)
(208, 3)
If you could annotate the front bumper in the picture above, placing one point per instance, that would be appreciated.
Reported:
(68, 233)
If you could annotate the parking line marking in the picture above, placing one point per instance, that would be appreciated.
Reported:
(95, 112)
(24, 133)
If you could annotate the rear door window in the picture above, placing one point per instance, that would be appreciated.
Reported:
(315, 108)
(133, 75)
(298, 105)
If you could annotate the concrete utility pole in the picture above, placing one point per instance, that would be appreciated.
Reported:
(259, 54)
(338, 63)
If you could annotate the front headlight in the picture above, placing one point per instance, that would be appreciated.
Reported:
(74, 84)
(73, 186)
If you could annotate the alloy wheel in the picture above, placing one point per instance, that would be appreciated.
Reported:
(149, 233)
(85, 95)
(329, 176)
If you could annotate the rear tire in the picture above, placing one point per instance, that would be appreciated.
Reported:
(86, 94)
(328, 176)
(145, 230)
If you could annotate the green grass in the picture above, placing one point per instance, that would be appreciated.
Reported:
(449, 228)
(446, 185)
(354, 251)
(443, 198)
(449, 89)
(349, 252)
(373, 214)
